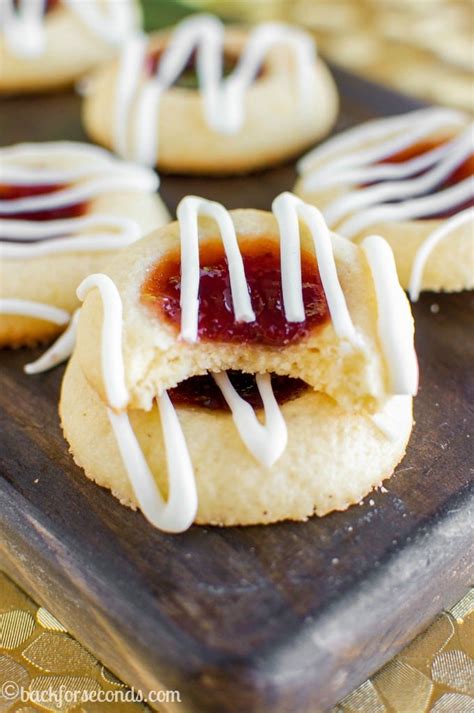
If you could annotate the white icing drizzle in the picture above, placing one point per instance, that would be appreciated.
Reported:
(113, 368)
(98, 172)
(112, 233)
(129, 70)
(339, 162)
(388, 419)
(440, 233)
(37, 310)
(394, 318)
(288, 209)
(60, 350)
(23, 23)
(266, 442)
(187, 212)
(222, 98)
(179, 512)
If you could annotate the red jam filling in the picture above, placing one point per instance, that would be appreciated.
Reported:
(162, 288)
(188, 78)
(463, 171)
(203, 392)
(8, 192)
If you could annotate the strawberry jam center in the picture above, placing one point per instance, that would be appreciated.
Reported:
(162, 289)
(460, 173)
(203, 392)
(9, 192)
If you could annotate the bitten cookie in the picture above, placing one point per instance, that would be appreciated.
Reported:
(212, 100)
(49, 44)
(241, 367)
(64, 209)
(408, 178)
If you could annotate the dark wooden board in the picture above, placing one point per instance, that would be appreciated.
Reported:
(282, 619)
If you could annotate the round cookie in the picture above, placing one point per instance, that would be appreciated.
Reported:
(332, 460)
(409, 179)
(44, 48)
(64, 209)
(170, 336)
(212, 100)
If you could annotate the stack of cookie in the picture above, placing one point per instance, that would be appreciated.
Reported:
(233, 367)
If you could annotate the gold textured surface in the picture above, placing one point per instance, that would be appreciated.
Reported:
(421, 47)
(434, 674)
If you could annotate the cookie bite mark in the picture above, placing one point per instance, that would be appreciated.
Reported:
(161, 294)
(203, 392)
(20, 192)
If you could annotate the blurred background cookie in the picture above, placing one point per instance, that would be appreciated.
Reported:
(64, 208)
(410, 179)
(421, 47)
(208, 99)
(48, 44)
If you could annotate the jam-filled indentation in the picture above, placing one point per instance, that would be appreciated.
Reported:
(461, 172)
(16, 192)
(203, 392)
(188, 79)
(161, 293)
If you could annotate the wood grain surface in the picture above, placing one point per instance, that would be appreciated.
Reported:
(280, 619)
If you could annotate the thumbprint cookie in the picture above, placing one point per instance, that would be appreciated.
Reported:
(208, 99)
(65, 207)
(47, 44)
(241, 367)
(410, 179)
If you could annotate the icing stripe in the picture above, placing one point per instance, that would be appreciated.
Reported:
(223, 99)
(268, 442)
(58, 352)
(128, 73)
(422, 255)
(113, 369)
(395, 324)
(287, 209)
(179, 512)
(413, 125)
(388, 419)
(188, 211)
(37, 310)
(116, 233)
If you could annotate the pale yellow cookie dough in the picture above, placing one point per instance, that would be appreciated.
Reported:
(333, 458)
(275, 128)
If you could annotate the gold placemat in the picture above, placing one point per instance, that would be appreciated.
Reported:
(42, 667)
(421, 47)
